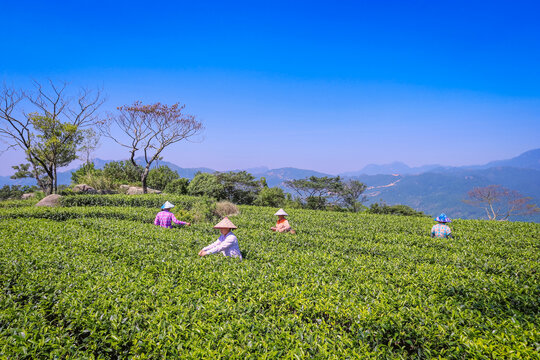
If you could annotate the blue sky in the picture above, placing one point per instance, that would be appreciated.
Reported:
(320, 85)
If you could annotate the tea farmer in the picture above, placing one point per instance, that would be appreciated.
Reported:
(441, 230)
(165, 217)
(282, 224)
(227, 243)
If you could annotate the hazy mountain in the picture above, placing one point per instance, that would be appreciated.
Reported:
(431, 188)
(436, 192)
(527, 160)
(276, 177)
(388, 169)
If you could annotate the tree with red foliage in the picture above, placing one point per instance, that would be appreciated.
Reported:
(500, 203)
(150, 129)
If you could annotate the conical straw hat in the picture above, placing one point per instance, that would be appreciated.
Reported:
(225, 224)
(167, 205)
(281, 212)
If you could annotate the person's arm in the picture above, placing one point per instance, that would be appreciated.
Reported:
(212, 245)
(433, 231)
(176, 221)
(156, 221)
(222, 245)
(449, 233)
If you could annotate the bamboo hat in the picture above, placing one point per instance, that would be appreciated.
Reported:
(225, 224)
(167, 205)
(281, 212)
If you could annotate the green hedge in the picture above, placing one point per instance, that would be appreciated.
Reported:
(147, 200)
(346, 286)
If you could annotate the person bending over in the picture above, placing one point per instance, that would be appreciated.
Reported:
(227, 243)
(165, 218)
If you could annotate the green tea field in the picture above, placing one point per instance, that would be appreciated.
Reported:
(100, 281)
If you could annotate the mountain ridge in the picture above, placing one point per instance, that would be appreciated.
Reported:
(440, 189)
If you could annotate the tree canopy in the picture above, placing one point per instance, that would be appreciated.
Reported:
(150, 129)
(48, 126)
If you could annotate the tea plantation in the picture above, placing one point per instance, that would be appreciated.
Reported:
(102, 282)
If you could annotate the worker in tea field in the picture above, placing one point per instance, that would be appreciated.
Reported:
(227, 243)
(165, 218)
(282, 224)
(441, 230)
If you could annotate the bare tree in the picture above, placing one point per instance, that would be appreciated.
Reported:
(150, 129)
(500, 203)
(45, 124)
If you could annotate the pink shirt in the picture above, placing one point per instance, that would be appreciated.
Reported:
(166, 218)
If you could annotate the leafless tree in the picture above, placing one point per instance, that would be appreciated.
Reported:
(500, 203)
(19, 108)
(150, 129)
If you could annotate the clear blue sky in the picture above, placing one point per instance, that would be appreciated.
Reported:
(329, 86)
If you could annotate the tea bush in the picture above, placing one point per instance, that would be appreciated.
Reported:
(104, 282)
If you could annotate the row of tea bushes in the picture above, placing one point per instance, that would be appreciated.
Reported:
(87, 284)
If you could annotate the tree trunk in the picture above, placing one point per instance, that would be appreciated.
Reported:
(143, 180)
(55, 180)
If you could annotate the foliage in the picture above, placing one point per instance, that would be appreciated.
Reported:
(315, 192)
(98, 181)
(385, 209)
(226, 208)
(239, 187)
(89, 144)
(204, 184)
(501, 203)
(274, 197)
(183, 215)
(15, 191)
(91, 282)
(52, 145)
(350, 194)
(201, 208)
(177, 186)
(47, 126)
(123, 172)
(160, 177)
(87, 168)
(150, 128)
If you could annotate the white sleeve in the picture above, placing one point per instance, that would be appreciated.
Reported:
(212, 245)
(220, 246)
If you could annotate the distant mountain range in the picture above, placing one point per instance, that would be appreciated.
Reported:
(430, 188)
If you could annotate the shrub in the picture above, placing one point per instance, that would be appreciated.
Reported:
(203, 210)
(183, 215)
(82, 171)
(226, 208)
(274, 197)
(402, 210)
(14, 191)
(160, 177)
(204, 184)
(178, 187)
(123, 172)
(98, 181)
